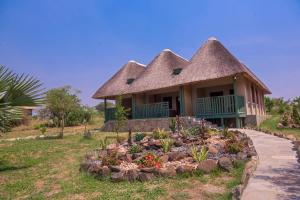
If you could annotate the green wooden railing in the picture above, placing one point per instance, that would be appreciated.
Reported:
(153, 110)
(109, 114)
(220, 106)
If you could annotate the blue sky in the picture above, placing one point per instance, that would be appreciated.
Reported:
(83, 43)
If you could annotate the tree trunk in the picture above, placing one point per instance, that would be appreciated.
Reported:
(61, 134)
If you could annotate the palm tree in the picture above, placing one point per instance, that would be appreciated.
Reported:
(16, 91)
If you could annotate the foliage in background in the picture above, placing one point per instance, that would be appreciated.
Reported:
(100, 106)
(60, 102)
(120, 116)
(16, 91)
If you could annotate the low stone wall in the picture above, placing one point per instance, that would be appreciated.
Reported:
(255, 120)
(146, 125)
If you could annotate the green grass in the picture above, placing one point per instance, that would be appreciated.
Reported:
(271, 125)
(49, 169)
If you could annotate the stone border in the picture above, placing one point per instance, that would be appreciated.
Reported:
(250, 167)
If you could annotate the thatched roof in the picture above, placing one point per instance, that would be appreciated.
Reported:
(117, 84)
(211, 61)
(159, 73)
(214, 61)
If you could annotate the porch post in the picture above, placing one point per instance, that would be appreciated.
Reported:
(133, 104)
(181, 100)
(105, 105)
(237, 120)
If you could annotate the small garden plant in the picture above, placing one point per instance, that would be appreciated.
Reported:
(139, 136)
(150, 160)
(135, 149)
(199, 156)
(166, 144)
(160, 134)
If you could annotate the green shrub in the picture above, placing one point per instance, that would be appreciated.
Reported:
(166, 144)
(160, 134)
(172, 125)
(135, 149)
(227, 134)
(104, 143)
(295, 115)
(43, 129)
(111, 159)
(139, 136)
(234, 146)
(199, 156)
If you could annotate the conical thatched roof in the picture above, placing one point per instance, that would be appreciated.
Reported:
(211, 61)
(159, 73)
(214, 61)
(117, 84)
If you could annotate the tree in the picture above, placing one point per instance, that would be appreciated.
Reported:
(60, 102)
(269, 103)
(100, 106)
(295, 114)
(16, 91)
(120, 115)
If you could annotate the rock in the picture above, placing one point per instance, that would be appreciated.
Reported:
(175, 156)
(122, 150)
(225, 163)
(148, 169)
(114, 168)
(213, 150)
(135, 156)
(237, 192)
(164, 158)
(251, 152)
(291, 137)
(132, 174)
(178, 143)
(185, 169)
(165, 172)
(207, 166)
(280, 125)
(241, 156)
(118, 176)
(94, 167)
(111, 146)
(156, 143)
(105, 171)
(143, 176)
(127, 157)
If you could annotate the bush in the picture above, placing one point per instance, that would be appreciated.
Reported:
(228, 134)
(111, 159)
(233, 146)
(199, 156)
(139, 136)
(160, 134)
(43, 129)
(135, 149)
(150, 160)
(104, 143)
(295, 115)
(166, 144)
(172, 125)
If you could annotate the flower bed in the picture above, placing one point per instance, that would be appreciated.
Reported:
(168, 154)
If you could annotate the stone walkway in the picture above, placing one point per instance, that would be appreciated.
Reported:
(278, 173)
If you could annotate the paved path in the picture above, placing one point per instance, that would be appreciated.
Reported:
(278, 173)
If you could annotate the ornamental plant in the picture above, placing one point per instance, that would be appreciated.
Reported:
(150, 160)
(139, 136)
(160, 134)
(199, 156)
(135, 149)
(166, 144)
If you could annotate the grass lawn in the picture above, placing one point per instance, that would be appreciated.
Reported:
(271, 124)
(49, 169)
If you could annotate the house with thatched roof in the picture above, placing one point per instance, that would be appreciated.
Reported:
(213, 85)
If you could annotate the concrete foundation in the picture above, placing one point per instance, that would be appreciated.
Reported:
(255, 120)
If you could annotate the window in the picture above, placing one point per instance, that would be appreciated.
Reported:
(130, 80)
(169, 100)
(177, 71)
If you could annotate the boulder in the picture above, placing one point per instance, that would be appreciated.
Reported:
(118, 176)
(207, 166)
(94, 167)
(164, 158)
(251, 152)
(114, 168)
(185, 169)
(175, 156)
(291, 137)
(165, 172)
(178, 143)
(132, 174)
(225, 163)
(241, 156)
(111, 146)
(148, 169)
(144, 176)
(156, 143)
(213, 150)
(105, 171)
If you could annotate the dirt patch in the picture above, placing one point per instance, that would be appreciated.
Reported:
(39, 185)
